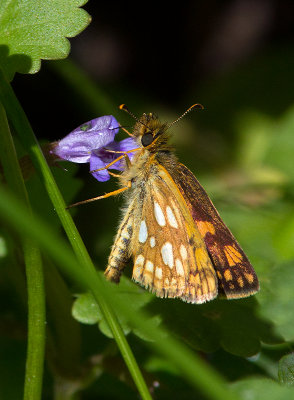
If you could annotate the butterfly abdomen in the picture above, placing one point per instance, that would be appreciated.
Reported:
(120, 253)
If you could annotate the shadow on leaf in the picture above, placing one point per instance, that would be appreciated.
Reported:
(14, 63)
(232, 325)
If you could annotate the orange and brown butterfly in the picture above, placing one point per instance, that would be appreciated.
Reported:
(179, 245)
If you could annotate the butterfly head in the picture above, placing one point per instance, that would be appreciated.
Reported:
(150, 133)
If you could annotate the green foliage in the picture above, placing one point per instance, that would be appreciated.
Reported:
(286, 370)
(276, 300)
(255, 389)
(87, 311)
(213, 325)
(32, 30)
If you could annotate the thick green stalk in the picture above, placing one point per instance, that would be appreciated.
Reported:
(34, 271)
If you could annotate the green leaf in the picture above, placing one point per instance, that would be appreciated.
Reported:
(256, 389)
(31, 30)
(232, 325)
(277, 301)
(257, 231)
(281, 148)
(286, 370)
(254, 132)
(87, 311)
(3, 247)
(266, 151)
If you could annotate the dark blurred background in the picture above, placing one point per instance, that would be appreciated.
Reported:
(226, 55)
(235, 57)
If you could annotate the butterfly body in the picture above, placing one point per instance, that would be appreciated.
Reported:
(179, 245)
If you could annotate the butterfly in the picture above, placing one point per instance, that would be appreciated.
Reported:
(179, 244)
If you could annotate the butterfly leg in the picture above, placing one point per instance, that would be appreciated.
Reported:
(104, 196)
(113, 174)
(108, 165)
(124, 155)
(125, 130)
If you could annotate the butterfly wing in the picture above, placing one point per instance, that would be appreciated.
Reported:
(180, 245)
(170, 257)
(236, 275)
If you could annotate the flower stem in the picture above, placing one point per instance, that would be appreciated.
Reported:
(34, 272)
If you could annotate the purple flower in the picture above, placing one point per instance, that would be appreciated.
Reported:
(102, 157)
(89, 144)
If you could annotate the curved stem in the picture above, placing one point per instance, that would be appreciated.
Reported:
(34, 271)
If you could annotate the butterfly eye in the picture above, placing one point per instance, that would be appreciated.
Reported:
(147, 139)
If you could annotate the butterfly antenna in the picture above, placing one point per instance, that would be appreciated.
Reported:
(197, 105)
(125, 108)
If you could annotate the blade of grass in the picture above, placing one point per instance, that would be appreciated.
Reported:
(27, 138)
(68, 347)
(34, 270)
(194, 369)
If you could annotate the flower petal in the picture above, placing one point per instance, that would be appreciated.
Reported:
(96, 163)
(128, 144)
(78, 145)
(121, 147)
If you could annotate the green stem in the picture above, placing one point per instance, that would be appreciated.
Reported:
(29, 142)
(63, 350)
(34, 272)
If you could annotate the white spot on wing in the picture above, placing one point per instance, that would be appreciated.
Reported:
(158, 273)
(149, 266)
(183, 252)
(167, 254)
(179, 267)
(138, 268)
(152, 241)
(159, 214)
(171, 217)
(140, 261)
(143, 233)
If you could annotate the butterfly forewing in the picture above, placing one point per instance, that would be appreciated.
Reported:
(236, 275)
(170, 257)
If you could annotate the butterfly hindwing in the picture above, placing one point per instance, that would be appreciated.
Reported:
(236, 275)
